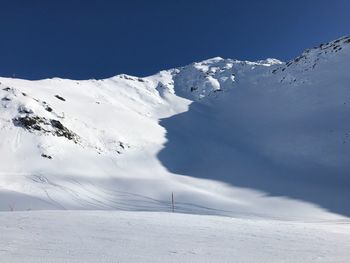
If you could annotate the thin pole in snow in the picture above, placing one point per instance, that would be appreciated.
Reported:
(172, 202)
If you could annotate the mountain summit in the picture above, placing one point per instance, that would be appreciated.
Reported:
(227, 137)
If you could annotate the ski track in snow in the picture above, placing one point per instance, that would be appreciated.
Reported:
(100, 236)
(227, 137)
(264, 145)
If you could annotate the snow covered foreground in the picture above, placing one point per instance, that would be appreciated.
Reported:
(107, 236)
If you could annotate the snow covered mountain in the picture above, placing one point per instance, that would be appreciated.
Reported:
(227, 137)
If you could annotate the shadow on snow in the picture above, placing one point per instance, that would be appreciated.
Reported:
(269, 147)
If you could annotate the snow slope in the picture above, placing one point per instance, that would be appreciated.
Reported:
(228, 137)
(283, 130)
(90, 236)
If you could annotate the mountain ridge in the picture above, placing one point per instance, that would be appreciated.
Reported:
(115, 143)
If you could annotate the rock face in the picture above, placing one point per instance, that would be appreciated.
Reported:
(262, 134)
(36, 123)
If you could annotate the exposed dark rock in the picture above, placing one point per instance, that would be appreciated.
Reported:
(122, 76)
(46, 156)
(36, 123)
(298, 59)
(61, 130)
(60, 98)
(57, 124)
(29, 122)
(48, 108)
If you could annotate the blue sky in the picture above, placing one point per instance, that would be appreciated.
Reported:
(98, 39)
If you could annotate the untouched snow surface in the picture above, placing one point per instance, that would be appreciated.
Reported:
(227, 137)
(90, 236)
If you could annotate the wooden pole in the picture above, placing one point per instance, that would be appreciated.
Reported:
(172, 202)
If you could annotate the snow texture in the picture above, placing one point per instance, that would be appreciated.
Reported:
(227, 137)
(92, 236)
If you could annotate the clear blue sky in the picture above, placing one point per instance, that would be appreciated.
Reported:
(101, 38)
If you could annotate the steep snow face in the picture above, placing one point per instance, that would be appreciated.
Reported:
(211, 77)
(128, 142)
(321, 58)
(285, 132)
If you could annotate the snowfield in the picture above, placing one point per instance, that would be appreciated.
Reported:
(265, 144)
(77, 236)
